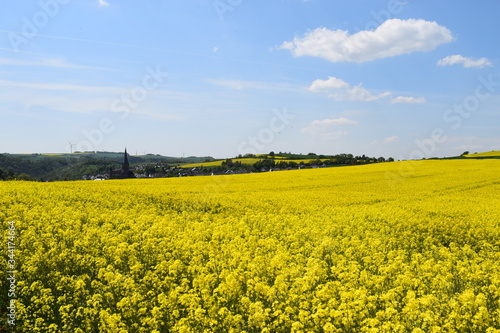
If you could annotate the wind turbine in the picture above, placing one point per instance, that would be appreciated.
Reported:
(71, 147)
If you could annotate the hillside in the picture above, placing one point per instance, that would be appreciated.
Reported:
(114, 156)
(52, 167)
(489, 154)
(76, 166)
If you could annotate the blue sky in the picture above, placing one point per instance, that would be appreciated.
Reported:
(406, 79)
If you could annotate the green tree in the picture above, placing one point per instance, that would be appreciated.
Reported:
(150, 170)
(3, 175)
(26, 177)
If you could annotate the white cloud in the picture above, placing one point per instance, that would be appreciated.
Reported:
(392, 38)
(331, 83)
(53, 63)
(358, 93)
(333, 135)
(58, 96)
(408, 100)
(256, 85)
(62, 87)
(340, 90)
(334, 122)
(103, 3)
(391, 139)
(324, 129)
(71, 98)
(466, 62)
(323, 134)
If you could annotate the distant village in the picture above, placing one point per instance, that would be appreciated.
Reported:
(162, 170)
(113, 165)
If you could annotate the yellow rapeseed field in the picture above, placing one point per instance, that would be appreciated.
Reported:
(485, 154)
(390, 247)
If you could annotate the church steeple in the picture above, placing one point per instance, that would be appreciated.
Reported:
(125, 165)
(125, 172)
(125, 159)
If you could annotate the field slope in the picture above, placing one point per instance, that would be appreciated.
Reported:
(488, 154)
(390, 247)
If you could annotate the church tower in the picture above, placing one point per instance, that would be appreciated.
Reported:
(125, 171)
(125, 165)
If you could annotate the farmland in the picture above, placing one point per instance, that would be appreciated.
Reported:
(388, 247)
(250, 161)
(488, 154)
(247, 161)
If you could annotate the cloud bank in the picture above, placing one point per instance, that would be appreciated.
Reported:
(340, 90)
(464, 61)
(392, 38)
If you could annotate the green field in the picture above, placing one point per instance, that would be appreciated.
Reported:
(247, 161)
